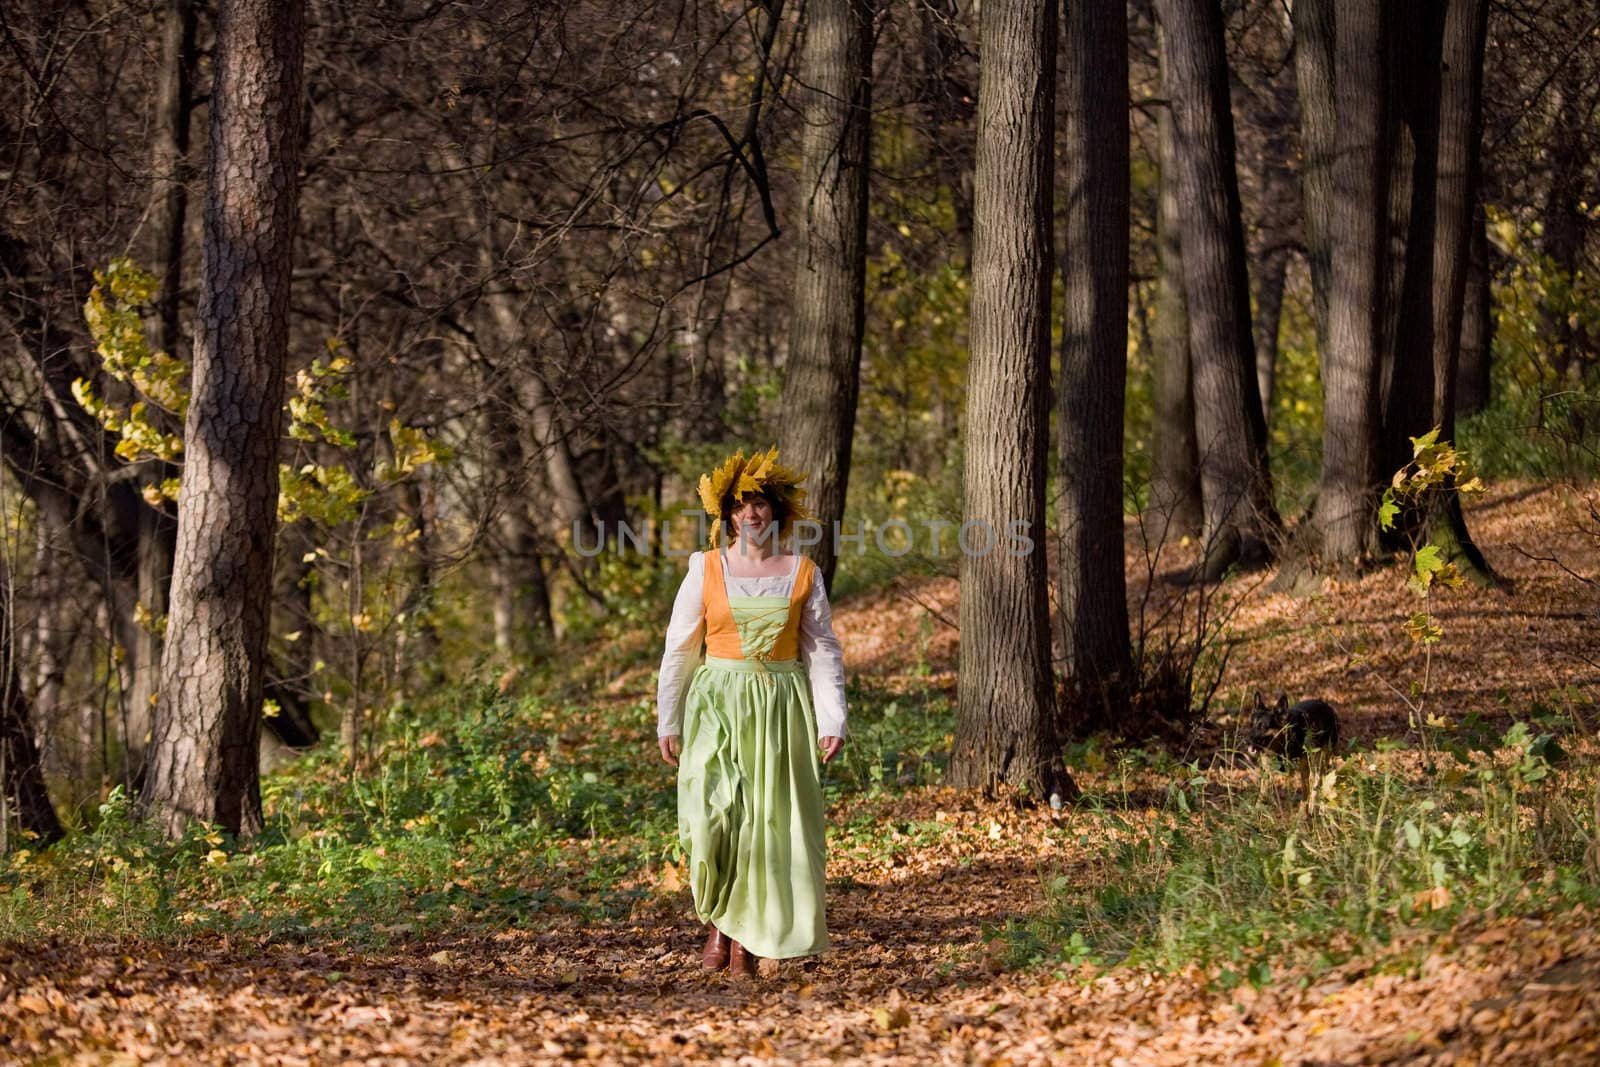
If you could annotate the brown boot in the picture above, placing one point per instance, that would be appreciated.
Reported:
(742, 964)
(715, 956)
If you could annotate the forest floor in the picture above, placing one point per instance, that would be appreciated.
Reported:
(918, 973)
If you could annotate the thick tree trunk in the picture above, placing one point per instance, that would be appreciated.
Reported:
(208, 717)
(1175, 508)
(1314, 53)
(822, 374)
(1005, 721)
(1346, 499)
(1236, 489)
(1477, 326)
(1094, 356)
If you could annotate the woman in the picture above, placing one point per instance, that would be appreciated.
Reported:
(747, 723)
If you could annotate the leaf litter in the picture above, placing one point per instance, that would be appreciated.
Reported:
(915, 975)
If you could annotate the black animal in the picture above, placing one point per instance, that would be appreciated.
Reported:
(1307, 733)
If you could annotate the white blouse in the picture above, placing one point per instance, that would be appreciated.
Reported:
(819, 647)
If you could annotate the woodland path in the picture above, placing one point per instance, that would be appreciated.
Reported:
(913, 978)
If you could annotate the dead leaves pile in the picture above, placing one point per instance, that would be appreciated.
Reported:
(908, 981)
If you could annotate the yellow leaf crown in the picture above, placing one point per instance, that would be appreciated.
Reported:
(738, 478)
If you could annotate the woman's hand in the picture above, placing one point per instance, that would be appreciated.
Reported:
(830, 747)
(669, 749)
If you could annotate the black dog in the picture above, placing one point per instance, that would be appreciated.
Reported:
(1306, 733)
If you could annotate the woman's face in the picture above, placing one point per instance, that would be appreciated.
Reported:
(753, 517)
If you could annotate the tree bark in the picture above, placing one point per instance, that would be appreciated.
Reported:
(1236, 489)
(1346, 501)
(1094, 355)
(208, 717)
(823, 371)
(1477, 325)
(1005, 720)
(24, 777)
(1460, 136)
(1314, 51)
(1175, 506)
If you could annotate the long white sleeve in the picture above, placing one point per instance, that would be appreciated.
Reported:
(824, 660)
(685, 636)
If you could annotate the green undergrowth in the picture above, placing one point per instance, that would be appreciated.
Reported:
(476, 812)
(1229, 872)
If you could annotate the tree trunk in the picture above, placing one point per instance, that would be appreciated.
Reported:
(64, 756)
(1314, 52)
(1274, 269)
(1408, 401)
(1236, 490)
(822, 375)
(1477, 325)
(208, 717)
(1094, 357)
(949, 107)
(169, 152)
(168, 221)
(1346, 501)
(1005, 721)
(1405, 83)
(1175, 454)
(1565, 221)
(1279, 216)
(24, 777)
(1460, 135)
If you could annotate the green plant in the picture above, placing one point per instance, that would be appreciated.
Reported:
(1227, 878)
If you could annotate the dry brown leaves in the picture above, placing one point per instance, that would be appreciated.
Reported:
(910, 979)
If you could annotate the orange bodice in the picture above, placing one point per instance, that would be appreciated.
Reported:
(722, 631)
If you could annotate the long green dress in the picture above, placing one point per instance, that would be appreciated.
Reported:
(750, 811)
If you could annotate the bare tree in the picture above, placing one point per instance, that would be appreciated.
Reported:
(1005, 719)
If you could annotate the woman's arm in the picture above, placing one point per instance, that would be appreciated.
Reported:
(824, 659)
(685, 634)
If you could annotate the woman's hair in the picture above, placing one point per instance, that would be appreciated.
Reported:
(780, 513)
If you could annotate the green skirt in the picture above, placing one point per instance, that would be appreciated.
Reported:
(750, 811)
